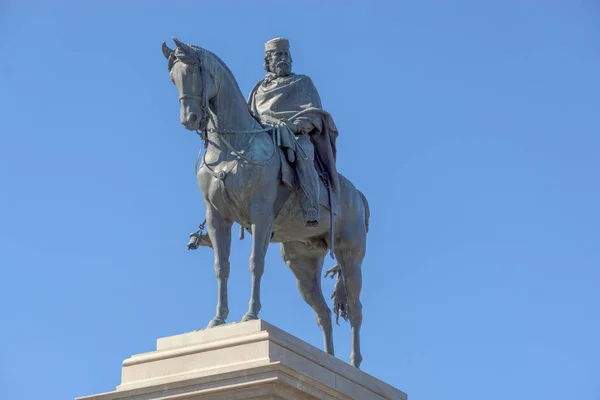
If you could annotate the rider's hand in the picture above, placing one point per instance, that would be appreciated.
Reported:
(302, 126)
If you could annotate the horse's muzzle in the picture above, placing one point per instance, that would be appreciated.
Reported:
(192, 122)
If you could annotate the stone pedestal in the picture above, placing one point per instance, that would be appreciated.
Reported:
(249, 360)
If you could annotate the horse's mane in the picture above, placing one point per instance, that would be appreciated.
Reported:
(199, 55)
(219, 61)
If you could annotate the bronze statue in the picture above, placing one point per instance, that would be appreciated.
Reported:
(245, 177)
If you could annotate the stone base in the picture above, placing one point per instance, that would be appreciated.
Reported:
(249, 360)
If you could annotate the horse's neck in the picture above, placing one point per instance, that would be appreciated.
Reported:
(231, 113)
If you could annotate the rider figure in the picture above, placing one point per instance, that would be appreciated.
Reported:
(292, 99)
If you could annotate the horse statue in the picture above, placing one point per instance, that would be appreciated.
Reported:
(241, 181)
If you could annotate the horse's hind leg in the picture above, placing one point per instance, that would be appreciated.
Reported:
(219, 232)
(350, 254)
(307, 263)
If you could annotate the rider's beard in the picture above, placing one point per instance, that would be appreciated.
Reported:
(283, 68)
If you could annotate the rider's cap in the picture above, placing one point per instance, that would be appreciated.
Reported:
(277, 44)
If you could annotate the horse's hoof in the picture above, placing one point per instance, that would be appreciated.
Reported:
(249, 317)
(355, 361)
(215, 322)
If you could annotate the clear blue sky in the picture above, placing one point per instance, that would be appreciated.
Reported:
(473, 128)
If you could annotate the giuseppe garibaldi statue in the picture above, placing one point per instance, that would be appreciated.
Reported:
(262, 195)
(283, 97)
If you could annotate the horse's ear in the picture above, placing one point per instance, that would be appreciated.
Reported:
(166, 50)
(184, 52)
(179, 44)
(182, 47)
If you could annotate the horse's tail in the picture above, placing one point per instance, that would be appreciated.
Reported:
(367, 210)
(339, 294)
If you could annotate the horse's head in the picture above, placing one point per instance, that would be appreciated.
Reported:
(194, 83)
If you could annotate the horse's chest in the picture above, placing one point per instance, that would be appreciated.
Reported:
(230, 195)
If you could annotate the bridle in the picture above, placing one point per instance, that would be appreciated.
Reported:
(203, 98)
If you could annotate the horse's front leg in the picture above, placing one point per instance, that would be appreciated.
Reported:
(261, 215)
(219, 231)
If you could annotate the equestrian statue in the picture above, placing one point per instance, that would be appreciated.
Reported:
(269, 165)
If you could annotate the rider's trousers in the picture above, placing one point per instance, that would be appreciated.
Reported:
(308, 179)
